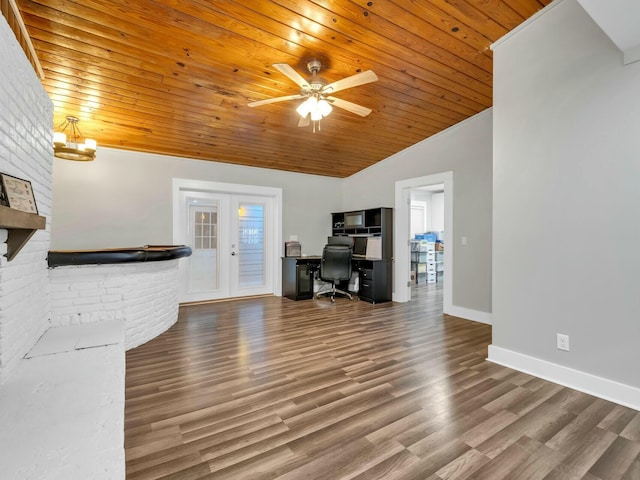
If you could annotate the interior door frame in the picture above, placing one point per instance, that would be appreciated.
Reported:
(185, 184)
(401, 250)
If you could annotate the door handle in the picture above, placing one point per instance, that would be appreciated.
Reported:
(233, 253)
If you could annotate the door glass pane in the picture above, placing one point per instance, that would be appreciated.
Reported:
(251, 245)
(203, 262)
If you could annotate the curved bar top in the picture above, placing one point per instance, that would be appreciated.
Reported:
(148, 253)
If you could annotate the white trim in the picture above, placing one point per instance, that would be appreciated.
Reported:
(27, 38)
(620, 393)
(525, 24)
(401, 291)
(469, 314)
(179, 184)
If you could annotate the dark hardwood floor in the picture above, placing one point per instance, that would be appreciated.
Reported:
(267, 388)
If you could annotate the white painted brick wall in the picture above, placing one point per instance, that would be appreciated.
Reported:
(144, 295)
(25, 151)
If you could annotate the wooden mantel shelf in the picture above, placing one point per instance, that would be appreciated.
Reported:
(20, 226)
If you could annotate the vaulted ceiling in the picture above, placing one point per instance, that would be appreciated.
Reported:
(175, 76)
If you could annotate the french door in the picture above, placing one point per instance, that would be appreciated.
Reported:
(230, 238)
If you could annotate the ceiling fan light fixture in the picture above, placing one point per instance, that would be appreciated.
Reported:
(317, 108)
(306, 107)
(318, 101)
(324, 107)
(75, 148)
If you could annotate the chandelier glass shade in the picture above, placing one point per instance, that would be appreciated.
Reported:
(75, 147)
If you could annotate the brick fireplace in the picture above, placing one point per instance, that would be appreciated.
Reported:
(26, 114)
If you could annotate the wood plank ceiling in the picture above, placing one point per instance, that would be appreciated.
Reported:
(175, 76)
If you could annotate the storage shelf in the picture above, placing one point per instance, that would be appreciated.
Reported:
(20, 227)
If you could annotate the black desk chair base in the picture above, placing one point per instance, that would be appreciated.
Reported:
(332, 292)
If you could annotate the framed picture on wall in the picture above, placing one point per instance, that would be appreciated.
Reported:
(18, 194)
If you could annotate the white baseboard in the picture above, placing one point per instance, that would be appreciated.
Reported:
(467, 313)
(584, 382)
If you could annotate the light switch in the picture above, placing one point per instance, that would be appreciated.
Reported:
(464, 240)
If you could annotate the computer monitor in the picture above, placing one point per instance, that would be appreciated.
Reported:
(340, 240)
(360, 246)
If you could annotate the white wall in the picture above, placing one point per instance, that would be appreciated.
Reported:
(25, 152)
(123, 199)
(466, 150)
(423, 196)
(437, 212)
(566, 174)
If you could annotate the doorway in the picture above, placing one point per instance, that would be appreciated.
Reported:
(427, 217)
(402, 232)
(234, 236)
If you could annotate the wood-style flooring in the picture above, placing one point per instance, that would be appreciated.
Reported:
(267, 388)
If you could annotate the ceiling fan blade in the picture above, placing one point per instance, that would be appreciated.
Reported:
(351, 107)
(274, 100)
(305, 121)
(352, 81)
(292, 74)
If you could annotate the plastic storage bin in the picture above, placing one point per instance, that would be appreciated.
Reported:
(429, 237)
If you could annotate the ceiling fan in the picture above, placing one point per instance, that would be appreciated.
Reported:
(318, 93)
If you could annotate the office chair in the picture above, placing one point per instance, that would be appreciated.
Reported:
(335, 267)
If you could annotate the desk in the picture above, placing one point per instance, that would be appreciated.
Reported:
(374, 277)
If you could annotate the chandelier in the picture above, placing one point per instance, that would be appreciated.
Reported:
(74, 149)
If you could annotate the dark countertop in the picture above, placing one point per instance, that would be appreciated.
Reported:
(148, 253)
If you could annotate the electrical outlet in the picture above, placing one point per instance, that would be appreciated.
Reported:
(562, 342)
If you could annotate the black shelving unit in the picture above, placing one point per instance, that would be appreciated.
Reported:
(375, 276)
